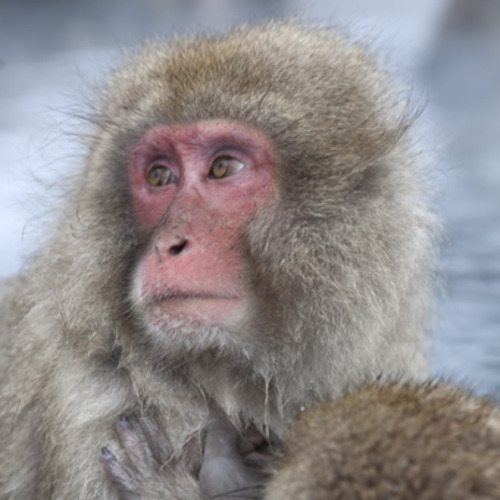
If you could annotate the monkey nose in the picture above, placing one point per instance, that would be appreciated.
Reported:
(177, 248)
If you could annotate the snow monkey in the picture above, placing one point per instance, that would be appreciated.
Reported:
(249, 235)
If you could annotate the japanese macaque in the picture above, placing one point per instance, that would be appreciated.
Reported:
(249, 236)
(427, 442)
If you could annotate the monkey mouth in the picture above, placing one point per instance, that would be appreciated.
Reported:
(215, 309)
(172, 295)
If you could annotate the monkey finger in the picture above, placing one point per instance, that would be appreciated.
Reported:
(119, 475)
(250, 440)
(136, 446)
(158, 441)
(191, 457)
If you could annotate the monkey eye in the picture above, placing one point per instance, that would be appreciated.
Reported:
(224, 166)
(160, 175)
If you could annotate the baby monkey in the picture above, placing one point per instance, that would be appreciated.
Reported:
(414, 442)
(405, 442)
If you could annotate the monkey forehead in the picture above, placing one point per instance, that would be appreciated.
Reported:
(282, 78)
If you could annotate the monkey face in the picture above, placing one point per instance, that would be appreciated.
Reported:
(194, 189)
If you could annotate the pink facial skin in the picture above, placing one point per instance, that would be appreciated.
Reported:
(193, 269)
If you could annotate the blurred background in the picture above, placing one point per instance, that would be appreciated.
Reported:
(55, 53)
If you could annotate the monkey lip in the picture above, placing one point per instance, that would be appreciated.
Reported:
(215, 309)
(185, 296)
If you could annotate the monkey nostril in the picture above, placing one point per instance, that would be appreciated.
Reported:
(177, 249)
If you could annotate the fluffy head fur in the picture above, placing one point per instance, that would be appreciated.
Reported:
(408, 442)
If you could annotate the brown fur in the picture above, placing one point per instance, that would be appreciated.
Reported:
(341, 262)
(428, 442)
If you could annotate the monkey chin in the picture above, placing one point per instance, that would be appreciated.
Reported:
(195, 310)
(193, 330)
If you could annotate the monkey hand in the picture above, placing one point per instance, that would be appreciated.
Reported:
(152, 471)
